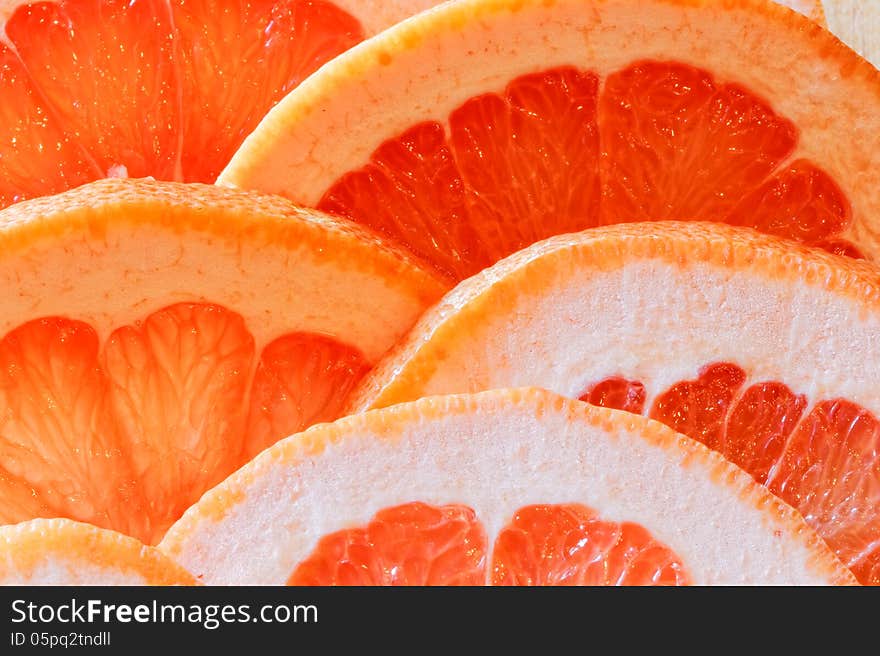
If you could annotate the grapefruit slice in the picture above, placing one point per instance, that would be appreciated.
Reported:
(156, 336)
(62, 552)
(761, 349)
(507, 487)
(482, 126)
(165, 88)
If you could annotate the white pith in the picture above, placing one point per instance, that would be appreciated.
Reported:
(435, 62)
(494, 457)
(120, 277)
(650, 320)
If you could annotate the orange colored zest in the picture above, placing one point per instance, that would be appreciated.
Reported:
(169, 89)
(130, 435)
(825, 462)
(552, 154)
(418, 544)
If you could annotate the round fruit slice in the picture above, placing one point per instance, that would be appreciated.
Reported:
(763, 350)
(508, 487)
(480, 127)
(166, 88)
(158, 335)
(62, 552)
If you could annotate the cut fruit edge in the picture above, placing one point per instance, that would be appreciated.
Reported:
(381, 88)
(411, 447)
(465, 312)
(151, 323)
(741, 316)
(101, 88)
(148, 244)
(64, 552)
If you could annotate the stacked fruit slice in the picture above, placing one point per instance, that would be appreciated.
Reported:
(738, 112)
(165, 88)
(759, 349)
(508, 487)
(689, 127)
(160, 335)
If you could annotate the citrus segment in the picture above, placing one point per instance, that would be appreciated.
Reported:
(830, 471)
(750, 427)
(418, 544)
(760, 349)
(411, 544)
(166, 367)
(422, 175)
(224, 95)
(617, 393)
(759, 426)
(46, 159)
(62, 552)
(570, 545)
(677, 144)
(177, 386)
(422, 491)
(801, 203)
(698, 408)
(119, 88)
(552, 114)
(130, 437)
(673, 144)
(105, 70)
(824, 464)
(549, 136)
(407, 180)
(60, 448)
(301, 379)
